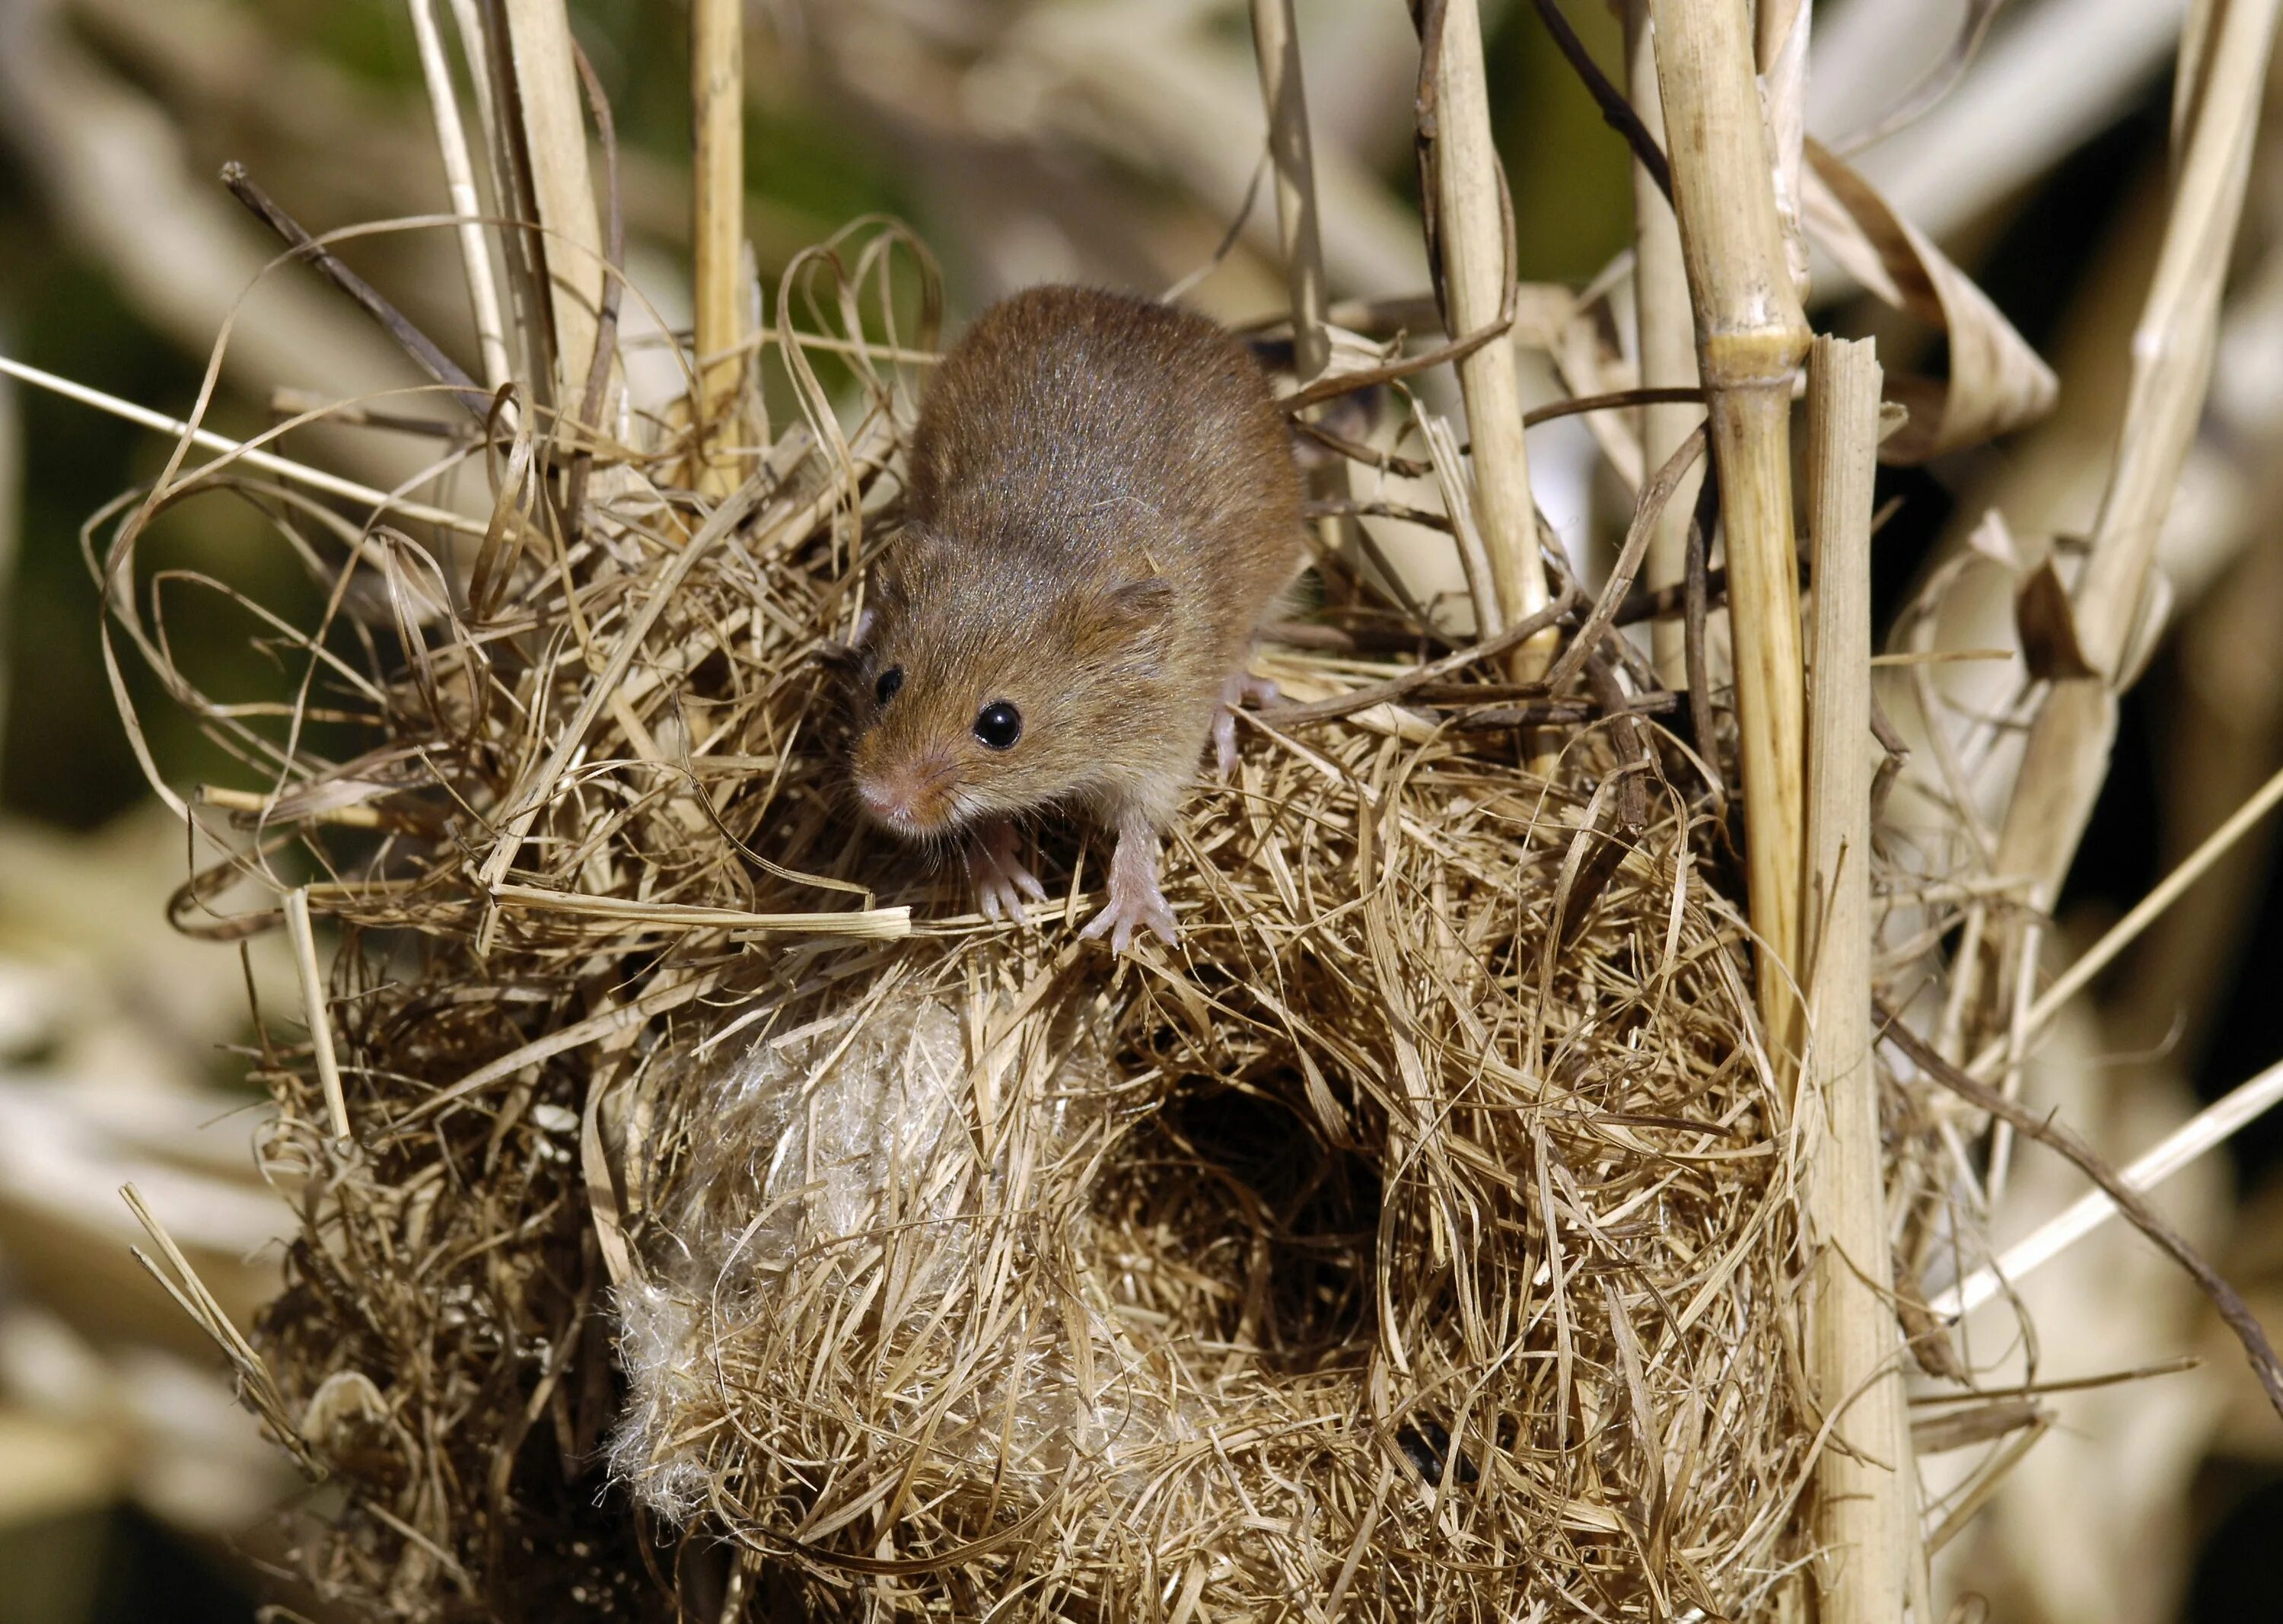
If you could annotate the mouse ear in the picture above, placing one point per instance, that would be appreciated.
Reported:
(1145, 601)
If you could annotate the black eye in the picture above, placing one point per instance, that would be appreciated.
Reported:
(891, 679)
(999, 725)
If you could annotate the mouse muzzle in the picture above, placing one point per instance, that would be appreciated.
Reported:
(915, 798)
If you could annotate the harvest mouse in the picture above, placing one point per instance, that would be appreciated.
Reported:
(1103, 505)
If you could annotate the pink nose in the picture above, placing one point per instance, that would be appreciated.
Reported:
(908, 796)
(882, 801)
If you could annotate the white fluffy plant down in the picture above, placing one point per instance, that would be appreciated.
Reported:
(837, 1188)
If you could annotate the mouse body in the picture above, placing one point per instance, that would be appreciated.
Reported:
(1103, 506)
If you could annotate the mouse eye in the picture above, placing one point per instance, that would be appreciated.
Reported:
(999, 725)
(891, 679)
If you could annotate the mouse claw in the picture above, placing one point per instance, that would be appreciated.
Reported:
(1136, 900)
(1000, 880)
(1241, 688)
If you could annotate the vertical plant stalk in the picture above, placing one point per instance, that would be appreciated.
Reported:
(1751, 337)
(1277, 47)
(1284, 92)
(717, 93)
(555, 138)
(1471, 212)
(2067, 758)
(1863, 1497)
(460, 183)
(467, 18)
(1668, 348)
(313, 1012)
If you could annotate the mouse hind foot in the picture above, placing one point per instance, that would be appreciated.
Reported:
(1241, 688)
(1000, 881)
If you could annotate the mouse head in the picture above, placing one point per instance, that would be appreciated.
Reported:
(981, 697)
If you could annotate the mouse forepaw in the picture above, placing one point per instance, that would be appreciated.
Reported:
(1241, 688)
(1136, 900)
(1002, 882)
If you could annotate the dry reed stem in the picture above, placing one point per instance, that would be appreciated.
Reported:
(2067, 757)
(717, 89)
(1864, 1499)
(313, 1011)
(460, 183)
(1668, 345)
(553, 135)
(1277, 47)
(1283, 93)
(1477, 271)
(422, 350)
(1750, 338)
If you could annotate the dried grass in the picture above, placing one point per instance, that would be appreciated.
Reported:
(1001, 1277)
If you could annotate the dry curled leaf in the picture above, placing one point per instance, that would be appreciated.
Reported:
(1997, 382)
(2047, 624)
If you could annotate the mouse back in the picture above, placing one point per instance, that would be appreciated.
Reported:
(1088, 430)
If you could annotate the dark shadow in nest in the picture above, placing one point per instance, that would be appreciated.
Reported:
(1278, 1228)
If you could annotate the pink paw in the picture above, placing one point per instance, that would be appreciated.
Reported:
(1136, 901)
(1002, 882)
(1241, 688)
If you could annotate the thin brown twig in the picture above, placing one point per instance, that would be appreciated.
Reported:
(2056, 1136)
(1616, 112)
(1365, 378)
(423, 350)
(1415, 468)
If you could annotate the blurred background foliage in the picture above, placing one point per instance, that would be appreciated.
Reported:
(1081, 139)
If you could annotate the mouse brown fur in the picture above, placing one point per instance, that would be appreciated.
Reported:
(1103, 506)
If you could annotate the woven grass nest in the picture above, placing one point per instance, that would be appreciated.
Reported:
(728, 1220)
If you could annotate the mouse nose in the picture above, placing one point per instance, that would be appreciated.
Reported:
(910, 796)
(882, 801)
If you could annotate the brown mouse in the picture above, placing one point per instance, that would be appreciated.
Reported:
(1103, 503)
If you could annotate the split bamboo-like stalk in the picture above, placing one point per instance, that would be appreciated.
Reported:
(1864, 1500)
(717, 90)
(1668, 346)
(2067, 758)
(1750, 337)
(1475, 276)
(555, 135)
